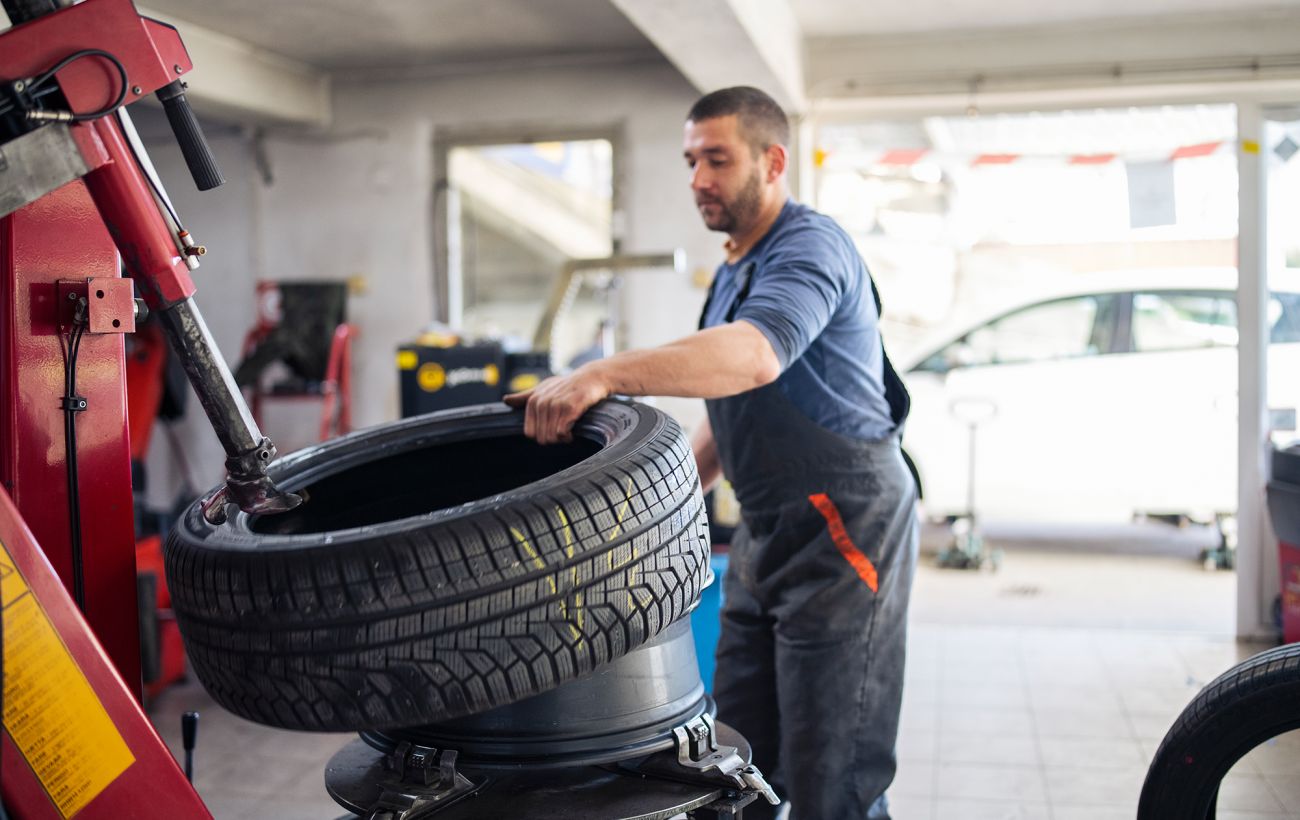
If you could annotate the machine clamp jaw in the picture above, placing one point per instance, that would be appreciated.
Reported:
(698, 749)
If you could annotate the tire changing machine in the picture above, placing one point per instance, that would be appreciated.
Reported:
(634, 740)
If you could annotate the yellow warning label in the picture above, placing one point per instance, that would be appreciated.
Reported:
(50, 710)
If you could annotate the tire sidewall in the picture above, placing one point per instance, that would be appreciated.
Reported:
(621, 427)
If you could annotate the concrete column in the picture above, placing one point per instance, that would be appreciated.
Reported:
(1254, 550)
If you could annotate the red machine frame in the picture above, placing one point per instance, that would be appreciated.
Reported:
(59, 248)
(151, 785)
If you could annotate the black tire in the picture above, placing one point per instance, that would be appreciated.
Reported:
(443, 565)
(1252, 702)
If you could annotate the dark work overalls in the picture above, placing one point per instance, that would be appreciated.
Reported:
(810, 660)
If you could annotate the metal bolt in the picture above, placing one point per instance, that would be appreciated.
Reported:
(137, 90)
(19, 85)
(72, 297)
(178, 68)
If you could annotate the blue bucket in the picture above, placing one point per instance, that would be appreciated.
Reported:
(706, 620)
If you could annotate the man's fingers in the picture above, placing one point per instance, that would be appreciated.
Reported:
(530, 418)
(542, 426)
(520, 399)
(564, 428)
(557, 424)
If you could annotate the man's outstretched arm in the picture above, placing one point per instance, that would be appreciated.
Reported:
(712, 363)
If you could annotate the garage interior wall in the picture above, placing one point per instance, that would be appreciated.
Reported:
(357, 201)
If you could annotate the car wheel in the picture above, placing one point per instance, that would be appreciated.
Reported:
(442, 566)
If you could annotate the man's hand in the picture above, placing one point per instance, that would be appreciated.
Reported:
(553, 406)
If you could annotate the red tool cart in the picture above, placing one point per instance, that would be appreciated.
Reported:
(1284, 509)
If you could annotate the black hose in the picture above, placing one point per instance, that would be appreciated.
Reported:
(72, 405)
(37, 82)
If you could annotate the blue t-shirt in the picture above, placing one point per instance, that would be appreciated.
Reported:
(810, 295)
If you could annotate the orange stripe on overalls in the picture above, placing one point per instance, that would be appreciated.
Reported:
(860, 563)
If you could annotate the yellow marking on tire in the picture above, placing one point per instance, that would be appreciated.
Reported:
(618, 521)
(575, 631)
(568, 531)
(540, 564)
(618, 526)
(631, 579)
(622, 513)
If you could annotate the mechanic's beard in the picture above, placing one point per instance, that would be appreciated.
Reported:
(740, 211)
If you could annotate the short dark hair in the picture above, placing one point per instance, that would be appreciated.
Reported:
(762, 121)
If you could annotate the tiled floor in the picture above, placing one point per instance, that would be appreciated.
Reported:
(1057, 723)
(1037, 692)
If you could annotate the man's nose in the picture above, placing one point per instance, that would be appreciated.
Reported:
(699, 177)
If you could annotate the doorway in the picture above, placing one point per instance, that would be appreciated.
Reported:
(511, 211)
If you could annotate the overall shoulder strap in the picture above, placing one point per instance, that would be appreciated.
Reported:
(900, 401)
(745, 277)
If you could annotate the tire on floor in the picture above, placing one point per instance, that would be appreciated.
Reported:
(1251, 703)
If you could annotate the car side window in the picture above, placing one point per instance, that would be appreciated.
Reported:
(1061, 329)
(1183, 321)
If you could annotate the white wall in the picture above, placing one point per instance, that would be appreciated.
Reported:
(358, 202)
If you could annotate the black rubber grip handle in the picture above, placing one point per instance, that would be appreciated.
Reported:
(189, 730)
(194, 146)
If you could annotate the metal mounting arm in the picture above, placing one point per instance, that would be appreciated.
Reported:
(247, 450)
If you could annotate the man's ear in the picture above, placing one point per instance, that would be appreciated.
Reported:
(777, 158)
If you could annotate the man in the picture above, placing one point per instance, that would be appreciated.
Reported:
(804, 415)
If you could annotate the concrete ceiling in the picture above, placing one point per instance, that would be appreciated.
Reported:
(837, 18)
(805, 52)
(342, 34)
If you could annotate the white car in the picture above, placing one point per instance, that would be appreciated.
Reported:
(1111, 399)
